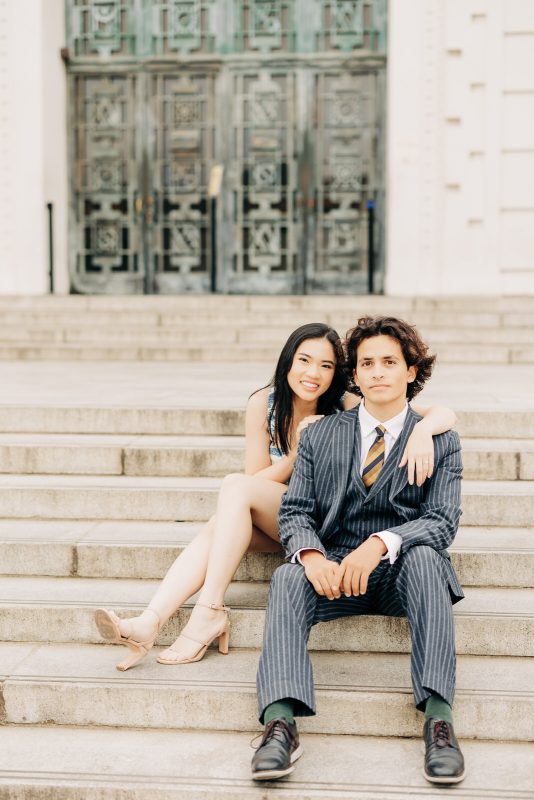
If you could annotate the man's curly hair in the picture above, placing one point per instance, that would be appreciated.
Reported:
(414, 350)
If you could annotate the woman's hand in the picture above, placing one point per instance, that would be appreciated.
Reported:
(304, 424)
(419, 454)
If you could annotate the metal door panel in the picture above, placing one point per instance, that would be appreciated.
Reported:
(287, 95)
(108, 238)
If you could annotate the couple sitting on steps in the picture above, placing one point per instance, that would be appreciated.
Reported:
(372, 504)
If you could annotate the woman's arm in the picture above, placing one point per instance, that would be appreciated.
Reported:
(257, 457)
(437, 419)
(419, 451)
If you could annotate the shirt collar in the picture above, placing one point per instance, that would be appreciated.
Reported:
(393, 426)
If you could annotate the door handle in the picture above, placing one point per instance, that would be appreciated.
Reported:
(152, 208)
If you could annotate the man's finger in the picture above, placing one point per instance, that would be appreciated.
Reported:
(317, 586)
(327, 591)
(356, 582)
(364, 580)
(430, 467)
(347, 581)
(404, 459)
(338, 576)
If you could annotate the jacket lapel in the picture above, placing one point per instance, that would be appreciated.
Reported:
(390, 471)
(346, 436)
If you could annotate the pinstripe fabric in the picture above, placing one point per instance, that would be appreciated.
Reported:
(327, 507)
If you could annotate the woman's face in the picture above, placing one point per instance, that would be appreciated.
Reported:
(312, 370)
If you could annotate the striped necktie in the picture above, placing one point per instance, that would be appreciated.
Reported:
(375, 458)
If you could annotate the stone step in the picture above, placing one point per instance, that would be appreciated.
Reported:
(490, 621)
(236, 353)
(487, 503)
(145, 550)
(52, 417)
(367, 694)
(62, 763)
(117, 302)
(182, 456)
(87, 332)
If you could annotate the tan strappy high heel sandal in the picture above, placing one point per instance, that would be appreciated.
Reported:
(223, 635)
(107, 623)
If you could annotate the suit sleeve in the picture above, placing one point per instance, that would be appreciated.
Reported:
(297, 517)
(440, 511)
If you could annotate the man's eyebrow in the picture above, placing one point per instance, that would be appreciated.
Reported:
(323, 360)
(370, 358)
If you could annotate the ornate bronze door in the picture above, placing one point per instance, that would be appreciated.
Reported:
(286, 97)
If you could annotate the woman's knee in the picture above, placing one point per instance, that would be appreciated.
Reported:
(235, 486)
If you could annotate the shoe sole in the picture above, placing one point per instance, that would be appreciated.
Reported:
(444, 780)
(273, 774)
(106, 627)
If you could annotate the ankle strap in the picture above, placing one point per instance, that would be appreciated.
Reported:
(213, 606)
(154, 612)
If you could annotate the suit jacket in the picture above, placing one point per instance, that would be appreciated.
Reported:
(312, 508)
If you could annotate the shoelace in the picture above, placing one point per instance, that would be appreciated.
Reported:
(275, 729)
(441, 733)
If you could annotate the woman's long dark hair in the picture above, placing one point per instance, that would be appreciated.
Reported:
(327, 403)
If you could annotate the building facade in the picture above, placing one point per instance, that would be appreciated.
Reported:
(171, 147)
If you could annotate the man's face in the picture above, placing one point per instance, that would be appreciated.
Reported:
(381, 372)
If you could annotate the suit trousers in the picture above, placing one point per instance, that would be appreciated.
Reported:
(416, 586)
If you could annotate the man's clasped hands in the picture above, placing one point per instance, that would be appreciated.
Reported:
(350, 577)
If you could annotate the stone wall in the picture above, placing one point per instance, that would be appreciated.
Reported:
(461, 147)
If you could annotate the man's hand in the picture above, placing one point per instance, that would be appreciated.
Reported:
(321, 573)
(354, 570)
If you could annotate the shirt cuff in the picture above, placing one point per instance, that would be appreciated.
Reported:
(393, 543)
(295, 559)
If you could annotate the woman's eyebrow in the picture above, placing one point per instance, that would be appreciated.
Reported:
(323, 360)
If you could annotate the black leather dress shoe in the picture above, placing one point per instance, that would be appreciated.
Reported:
(277, 752)
(444, 762)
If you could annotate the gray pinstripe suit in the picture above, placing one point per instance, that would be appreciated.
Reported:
(328, 508)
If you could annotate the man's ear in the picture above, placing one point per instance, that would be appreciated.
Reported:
(412, 374)
(355, 378)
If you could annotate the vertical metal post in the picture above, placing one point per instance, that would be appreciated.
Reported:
(50, 207)
(214, 189)
(370, 246)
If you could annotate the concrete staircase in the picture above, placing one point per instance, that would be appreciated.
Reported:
(96, 501)
(237, 329)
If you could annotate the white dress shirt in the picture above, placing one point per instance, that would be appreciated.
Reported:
(367, 427)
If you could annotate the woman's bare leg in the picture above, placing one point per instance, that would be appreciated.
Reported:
(244, 502)
(183, 579)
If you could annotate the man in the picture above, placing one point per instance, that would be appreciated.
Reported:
(360, 539)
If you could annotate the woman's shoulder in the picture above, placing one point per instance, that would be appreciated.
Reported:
(260, 401)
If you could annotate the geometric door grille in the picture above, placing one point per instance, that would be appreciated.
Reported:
(287, 96)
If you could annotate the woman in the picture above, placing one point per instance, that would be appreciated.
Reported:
(309, 383)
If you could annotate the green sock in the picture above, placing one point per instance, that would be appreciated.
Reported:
(281, 709)
(436, 706)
